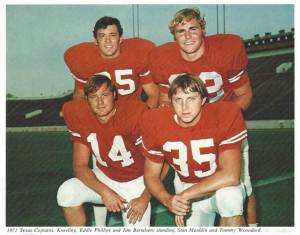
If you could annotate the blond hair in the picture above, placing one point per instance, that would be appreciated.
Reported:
(186, 15)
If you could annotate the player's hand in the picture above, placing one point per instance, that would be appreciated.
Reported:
(136, 209)
(178, 205)
(179, 220)
(113, 201)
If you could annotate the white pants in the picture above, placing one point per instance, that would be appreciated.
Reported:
(73, 193)
(227, 202)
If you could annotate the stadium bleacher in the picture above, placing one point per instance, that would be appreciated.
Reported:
(37, 112)
(273, 94)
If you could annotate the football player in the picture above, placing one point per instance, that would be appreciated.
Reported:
(110, 132)
(124, 61)
(220, 61)
(202, 143)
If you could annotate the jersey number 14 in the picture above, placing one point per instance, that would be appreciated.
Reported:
(118, 151)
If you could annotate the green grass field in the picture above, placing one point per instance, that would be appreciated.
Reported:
(38, 162)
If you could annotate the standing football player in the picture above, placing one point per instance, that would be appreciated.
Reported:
(220, 61)
(110, 132)
(202, 143)
(124, 61)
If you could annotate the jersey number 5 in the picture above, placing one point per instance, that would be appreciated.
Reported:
(118, 151)
(118, 75)
(182, 158)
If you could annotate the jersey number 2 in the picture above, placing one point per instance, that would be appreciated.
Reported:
(118, 151)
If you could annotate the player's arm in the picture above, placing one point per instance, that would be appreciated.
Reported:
(164, 99)
(227, 175)
(152, 91)
(81, 155)
(175, 203)
(241, 83)
(243, 96)
(78, 93)
(165, 170)
(138, 206)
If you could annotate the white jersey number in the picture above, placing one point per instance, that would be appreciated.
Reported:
(119, 73)
(215, 88)
(118, 151)
(196, 146)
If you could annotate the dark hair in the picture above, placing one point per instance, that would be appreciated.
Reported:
(105, 21)
(188, 83)
(95, 82)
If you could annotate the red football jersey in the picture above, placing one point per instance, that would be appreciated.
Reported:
(193, 152)
(116, 144)
(222, 67)
(128, 71)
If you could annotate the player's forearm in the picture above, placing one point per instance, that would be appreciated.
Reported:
(146, 196)
(78, 94)
(157, 189)
(243, 96)
(152, 101)
(164, 99)
(164, 170)
(152, 91)
(211, 184)
(243, 101)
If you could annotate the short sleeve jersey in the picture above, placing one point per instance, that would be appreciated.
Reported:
(116, 145)
(128, 71)
(222, 67)
(193, 152)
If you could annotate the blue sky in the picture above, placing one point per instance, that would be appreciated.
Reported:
(38, 35)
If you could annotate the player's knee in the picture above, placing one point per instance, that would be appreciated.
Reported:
(230, 201)
(67, 195)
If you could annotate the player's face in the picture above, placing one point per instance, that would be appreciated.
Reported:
(187, 107)
(109, 41)
(189, 36)
(102, 103)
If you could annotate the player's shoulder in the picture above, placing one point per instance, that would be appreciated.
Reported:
(80, 48)
(160, 56)
(224, 40)
(226, 46)
(164, 49)
(80, 52)
(128, 114)
(138, 43)
(158, 117)
(75, 108)
(128, 108)
(222, 111)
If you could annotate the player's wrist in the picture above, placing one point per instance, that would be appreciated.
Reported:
(166, 201)
(185, 195)
(145, 197)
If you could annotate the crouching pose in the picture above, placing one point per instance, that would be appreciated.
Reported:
(201, 141)
(110, 132)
